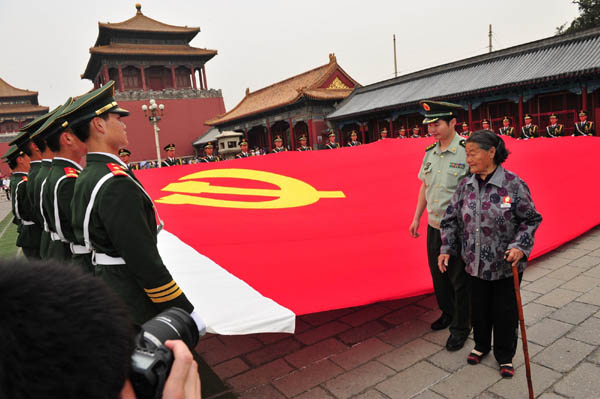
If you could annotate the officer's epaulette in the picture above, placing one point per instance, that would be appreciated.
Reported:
(430, 147)
(24, 178)
(71, 172)
(116, 169)
(463, 143)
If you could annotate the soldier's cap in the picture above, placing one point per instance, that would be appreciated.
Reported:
(434, 110)
(53, 124)
(384, 130)
(402, 128)
(209, 145)
(353, 133)
(169, 147)
(12, 153)
(278, 138)
(465, 124)
(485, 121)
(25, 131)
(553, 116)
(416, 127)
(302, 138)
(243, 142)
(93, 104)
(332, 134)
(124, 151)
(583, 112)
(527, 116)
(506, 119)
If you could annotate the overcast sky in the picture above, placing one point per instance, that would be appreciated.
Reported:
(45, 44)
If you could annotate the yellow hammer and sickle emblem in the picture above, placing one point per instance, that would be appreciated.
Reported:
(292, 192)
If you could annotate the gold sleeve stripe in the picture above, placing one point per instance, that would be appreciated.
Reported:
(167, 298)
(163, 293)
(161, 288)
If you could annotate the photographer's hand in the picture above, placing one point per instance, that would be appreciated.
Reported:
(183, 381)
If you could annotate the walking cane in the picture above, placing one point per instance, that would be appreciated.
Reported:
(523, 334)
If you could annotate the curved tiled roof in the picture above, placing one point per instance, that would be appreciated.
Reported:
(7, 90)
(22, 109)
(558, 57)
(141, 23)
(288, 92)
(151, 49)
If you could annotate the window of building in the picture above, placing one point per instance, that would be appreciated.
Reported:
(132, 78)
(183, 77)
(222, 145)
(231, 144)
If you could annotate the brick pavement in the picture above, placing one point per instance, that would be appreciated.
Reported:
(387, 350)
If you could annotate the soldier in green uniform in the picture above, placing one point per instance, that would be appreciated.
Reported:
(331, 144)
(22, 140)
(171, 160)
(383, 134)
(554, 129)
(416, 132)
(28, 238)
(583, 127)
(278, 145)
(303, 147)
(530, 130)
(208, 154)
(58, 188)
(485, 124)
(443, 167)
(353, 139)
(244, 147)
(113, 216)
(125, 156)
(466, 132)
(506, 129)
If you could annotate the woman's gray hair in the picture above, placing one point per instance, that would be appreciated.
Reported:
(487, 139)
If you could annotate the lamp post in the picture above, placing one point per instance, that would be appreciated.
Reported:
(156, 113)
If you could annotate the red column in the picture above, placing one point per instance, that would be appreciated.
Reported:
(518, 125)
(204, 77)
(121, 83)
(193, 77)
(143, 78)
(292, 139)
(470, 116)
(105, 73)
(312, 139)
(173, 76)
(361, 127)
(270, 143)
(391, 134)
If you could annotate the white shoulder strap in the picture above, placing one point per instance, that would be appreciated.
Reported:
(46, 228)
(56, 213)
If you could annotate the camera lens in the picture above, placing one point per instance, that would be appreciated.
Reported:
(173, 323)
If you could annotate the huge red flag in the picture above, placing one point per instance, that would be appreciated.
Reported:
(256, 241)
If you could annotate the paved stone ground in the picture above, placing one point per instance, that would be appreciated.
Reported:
(387, 350)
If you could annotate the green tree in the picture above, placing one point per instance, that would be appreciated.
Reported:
(589, 17)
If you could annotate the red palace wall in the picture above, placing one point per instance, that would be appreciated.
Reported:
(182, 123)
(4, 169)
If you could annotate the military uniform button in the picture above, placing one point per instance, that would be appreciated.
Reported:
(439, 171)
(455, 174)
(441, 156)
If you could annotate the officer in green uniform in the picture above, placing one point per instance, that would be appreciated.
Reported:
(554, 129)
(331, 144)
(402, 133)
(27, 232)
(485, 124)
(22, 140)
(443, 167)
(125, 155)
(58, 188)
(383, 134)
(506, 129)
(244, 147)
(278, 145)
(466, 132)
(208, 154)
(416, 132)
(171, 160)
(353, 139)
(303, 147)
(583, 127)
(530, 130)
(113, 216)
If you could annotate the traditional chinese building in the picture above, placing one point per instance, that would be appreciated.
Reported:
(291, 108)
(560, 75)
(149, 59)
(18, 107)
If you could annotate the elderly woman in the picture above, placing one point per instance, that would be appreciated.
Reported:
(490, 222)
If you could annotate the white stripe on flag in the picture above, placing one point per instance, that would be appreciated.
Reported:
(227, 304)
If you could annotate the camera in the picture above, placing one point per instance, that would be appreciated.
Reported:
(151, 361)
